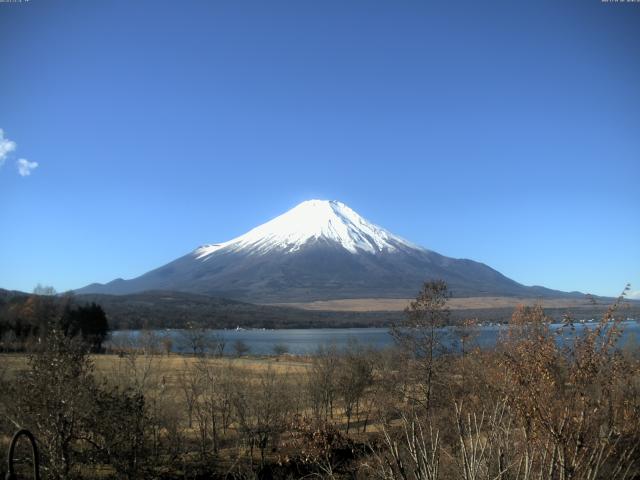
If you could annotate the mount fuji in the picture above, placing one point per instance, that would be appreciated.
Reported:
(319, 250)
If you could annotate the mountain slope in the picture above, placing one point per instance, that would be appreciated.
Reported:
(316, 251)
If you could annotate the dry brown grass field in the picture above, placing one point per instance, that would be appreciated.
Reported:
(173, 364)
(399, 304)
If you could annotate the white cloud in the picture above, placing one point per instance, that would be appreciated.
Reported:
(6, 146)
(25, 167)
(633, 295)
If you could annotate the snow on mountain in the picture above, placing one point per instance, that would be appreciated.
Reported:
(312, 220)
(318, 250)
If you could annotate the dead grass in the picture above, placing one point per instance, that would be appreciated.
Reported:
(167, 369)
(14, 362)
(399, 304)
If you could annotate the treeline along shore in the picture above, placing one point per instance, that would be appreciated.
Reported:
(159, 310)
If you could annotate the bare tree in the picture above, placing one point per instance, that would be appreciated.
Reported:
(261, 410)
(217, 344)
(44, 290)
(241, 348)
(195, 338)
(54, 399)
(322, 381)
(413, 454)
(190, 388)
(317, 445)
(466, 332)
(418, 334)
(211, 402)
(576, 421)
(354, 376)
(280, 349)
(167, 344)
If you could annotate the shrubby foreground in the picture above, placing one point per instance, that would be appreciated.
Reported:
(530, 409)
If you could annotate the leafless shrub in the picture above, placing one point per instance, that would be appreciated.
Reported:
(190, 387)
(315, 447)
(354, 376)
(322, 382)
(241, 348)
(261, 409)
(411, 454)
(575, 422)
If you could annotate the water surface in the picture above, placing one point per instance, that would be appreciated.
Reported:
(308, 341)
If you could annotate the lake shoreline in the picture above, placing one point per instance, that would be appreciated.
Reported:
(308, 341)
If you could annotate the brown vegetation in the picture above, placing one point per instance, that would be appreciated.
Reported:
(534, 408)
(399, 304)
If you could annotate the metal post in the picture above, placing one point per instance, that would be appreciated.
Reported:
(11, 474)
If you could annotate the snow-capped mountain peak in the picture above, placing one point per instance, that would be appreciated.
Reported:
(318, 250)
(311, 220)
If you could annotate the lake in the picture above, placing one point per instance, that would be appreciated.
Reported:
(307, 341)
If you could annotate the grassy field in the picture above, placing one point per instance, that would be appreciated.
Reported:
(161, 377)
(170, 366)
(399, 304)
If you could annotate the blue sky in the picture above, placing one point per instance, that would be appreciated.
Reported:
(506, 132)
